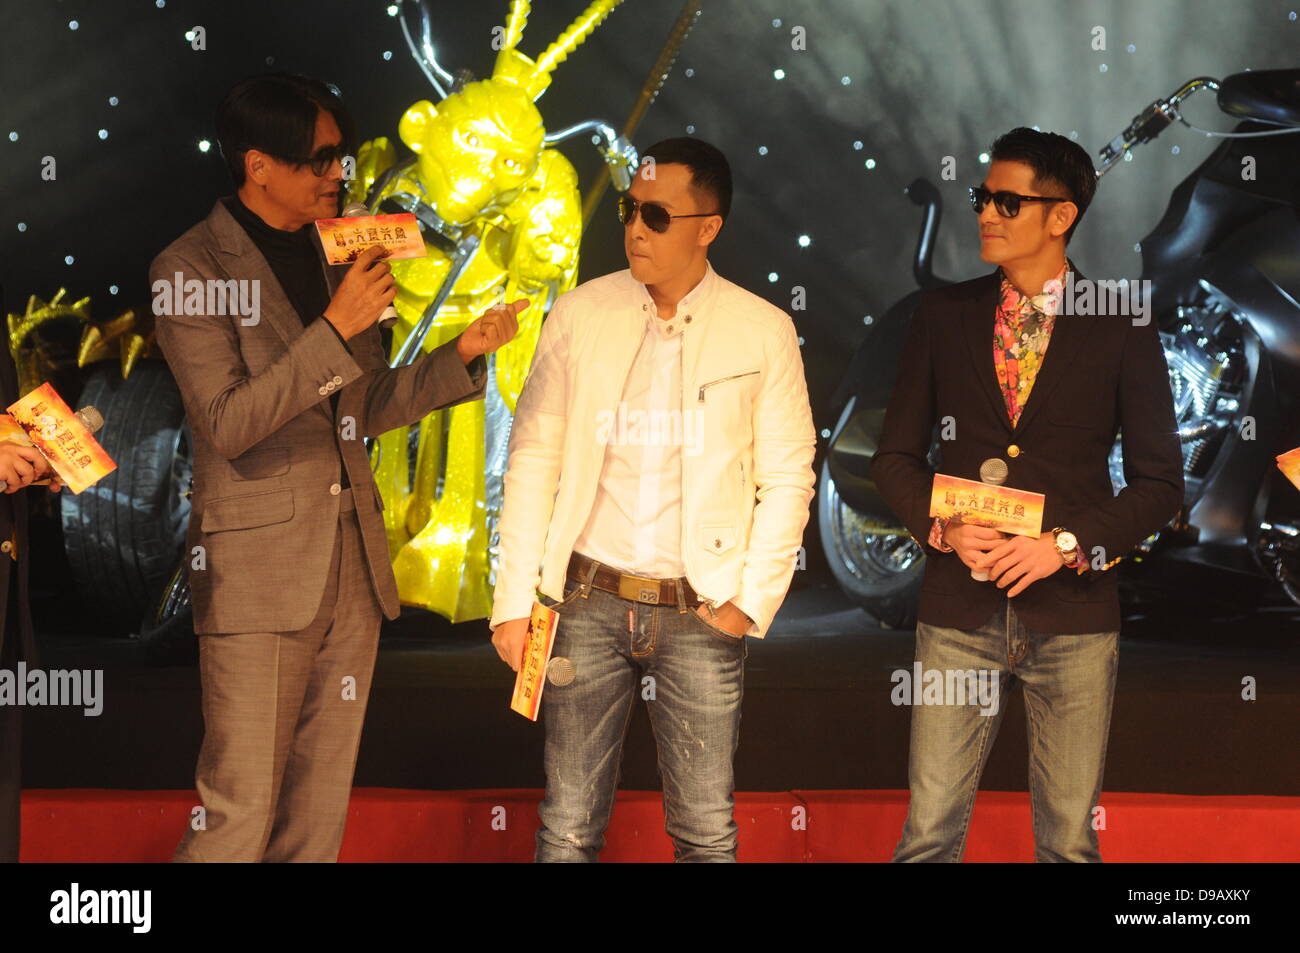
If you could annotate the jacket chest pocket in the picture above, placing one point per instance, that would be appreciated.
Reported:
(722, 387)
(260, 464)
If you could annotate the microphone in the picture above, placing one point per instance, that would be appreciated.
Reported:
(560, 672)
(90, 418)
(993, 472)
(355, 210)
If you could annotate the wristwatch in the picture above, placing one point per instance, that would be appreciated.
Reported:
(1066, 544)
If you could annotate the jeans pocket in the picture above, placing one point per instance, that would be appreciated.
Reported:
(720, 634)
(571, 589)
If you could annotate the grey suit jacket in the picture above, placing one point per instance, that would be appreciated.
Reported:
(266, 471)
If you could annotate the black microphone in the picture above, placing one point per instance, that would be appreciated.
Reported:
(354, 210)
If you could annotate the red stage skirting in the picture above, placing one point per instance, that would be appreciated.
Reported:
(90, 825)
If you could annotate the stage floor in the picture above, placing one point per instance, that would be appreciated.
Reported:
(817, 712)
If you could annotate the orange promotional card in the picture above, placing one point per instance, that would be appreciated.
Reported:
(345, 238)
(527, 699)
(1017, 512)
(56, 432)
(1289, 464)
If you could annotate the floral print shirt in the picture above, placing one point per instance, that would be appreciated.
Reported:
(1022, 330)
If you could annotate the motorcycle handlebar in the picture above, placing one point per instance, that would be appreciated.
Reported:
(1149, 123)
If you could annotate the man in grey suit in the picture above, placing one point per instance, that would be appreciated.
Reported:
(282, 371)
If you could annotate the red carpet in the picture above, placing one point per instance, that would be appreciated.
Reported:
(88, 825)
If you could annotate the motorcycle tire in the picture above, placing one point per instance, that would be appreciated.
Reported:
(881, 572)
(125, 535)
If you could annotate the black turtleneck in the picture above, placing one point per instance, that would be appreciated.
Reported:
(297, 267)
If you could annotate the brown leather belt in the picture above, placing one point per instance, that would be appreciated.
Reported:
(661, 592)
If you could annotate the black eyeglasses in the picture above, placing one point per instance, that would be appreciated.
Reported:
(1008, 203)
(321, 160)
(656, 217)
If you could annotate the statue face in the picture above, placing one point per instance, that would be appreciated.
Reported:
(477, 149)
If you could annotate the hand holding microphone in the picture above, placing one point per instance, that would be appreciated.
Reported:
(22, 463)
(389, 316)
(365, 294)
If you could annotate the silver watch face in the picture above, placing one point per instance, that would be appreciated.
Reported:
(1066, 542)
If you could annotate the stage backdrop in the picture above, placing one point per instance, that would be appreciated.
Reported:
(827, 109)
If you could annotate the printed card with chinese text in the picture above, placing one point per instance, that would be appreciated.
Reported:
(345, 238)
(542, 625)
(1017, 512)
(55, 431)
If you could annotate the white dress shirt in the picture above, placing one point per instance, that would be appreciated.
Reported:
(636, 519)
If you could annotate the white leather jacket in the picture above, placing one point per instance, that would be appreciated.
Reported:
(745, 497)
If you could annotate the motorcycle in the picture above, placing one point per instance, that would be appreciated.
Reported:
(1226, 258)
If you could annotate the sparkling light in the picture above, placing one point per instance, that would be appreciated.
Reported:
(112, 100)
(870, 163)
(22, 226)
(778, 73)
(103, 133)
(804, 241)
(112, 289)
(772, 276)
(984, 158)
(68, 259)
(388, 54)
(73, 24)
(13, 137)
(204, 145)
(762, 150)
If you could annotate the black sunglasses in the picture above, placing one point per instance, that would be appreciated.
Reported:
(656, 217)
(1008, 203)
(321, 160)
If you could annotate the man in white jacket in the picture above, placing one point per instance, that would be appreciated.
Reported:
(659, 480)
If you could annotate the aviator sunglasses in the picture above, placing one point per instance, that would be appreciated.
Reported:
(656, 218)
(1008, 203)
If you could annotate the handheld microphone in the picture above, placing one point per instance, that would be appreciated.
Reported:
(993, 472)
(90, 418)
(560, 671)
(355, 210)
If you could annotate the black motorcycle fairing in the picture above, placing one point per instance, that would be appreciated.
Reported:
(1271, 95)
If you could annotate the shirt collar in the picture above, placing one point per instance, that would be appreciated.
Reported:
(689, 310)
(1047, 302)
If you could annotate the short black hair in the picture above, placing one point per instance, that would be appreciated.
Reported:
(710, 172)
(275, 113)
(1060, 165)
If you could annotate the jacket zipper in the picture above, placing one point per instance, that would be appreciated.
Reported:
(720, 380)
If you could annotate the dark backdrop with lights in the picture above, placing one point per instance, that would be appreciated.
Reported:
(821, 140)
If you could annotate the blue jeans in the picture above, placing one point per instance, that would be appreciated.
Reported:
(691, 677)
(1069, 684)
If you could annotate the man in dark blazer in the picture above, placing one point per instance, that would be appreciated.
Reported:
(19, 466)
(1048, 616)
(289, 567)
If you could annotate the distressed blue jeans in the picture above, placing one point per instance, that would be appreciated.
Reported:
(1069, 685)
(690, 675)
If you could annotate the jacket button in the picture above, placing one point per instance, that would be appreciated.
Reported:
(1013, 451)
(335, 489)
(337, 380)
(322, 390)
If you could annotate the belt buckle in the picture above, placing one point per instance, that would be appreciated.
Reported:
(635, 588)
